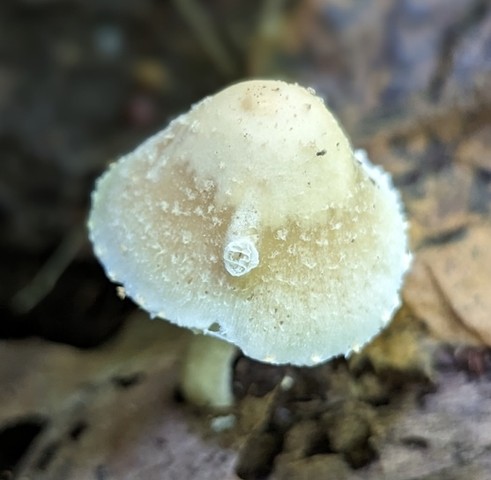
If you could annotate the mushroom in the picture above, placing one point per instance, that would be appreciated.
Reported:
(250, 220)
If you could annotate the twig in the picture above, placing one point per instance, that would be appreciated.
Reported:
(200, 23)
(45, 279)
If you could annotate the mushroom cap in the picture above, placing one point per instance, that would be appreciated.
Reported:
(250, 218)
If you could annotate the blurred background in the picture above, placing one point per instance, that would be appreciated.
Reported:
(84, 81)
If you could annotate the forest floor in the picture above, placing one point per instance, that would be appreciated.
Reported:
(88, 383)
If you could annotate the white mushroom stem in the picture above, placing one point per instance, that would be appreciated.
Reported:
(206, 374)
(240, 254)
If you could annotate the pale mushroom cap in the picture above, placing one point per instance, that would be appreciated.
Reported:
(249, 218)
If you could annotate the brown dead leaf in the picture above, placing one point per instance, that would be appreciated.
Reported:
(402, 346)
(424, 297)
(463, 271)
(449, 288)
(443, 207)
(109, 412)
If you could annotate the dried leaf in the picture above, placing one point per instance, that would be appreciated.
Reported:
(449, 287)
(110, 412)
(463, 271)
(402, 346)
(443, 206)
(422, 294)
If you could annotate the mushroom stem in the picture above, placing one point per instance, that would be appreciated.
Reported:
(206, 374)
